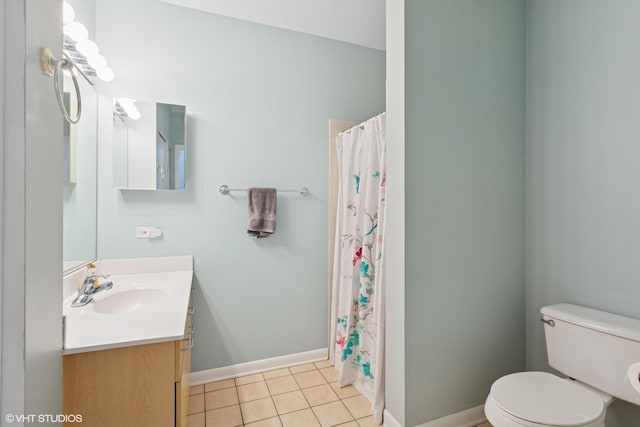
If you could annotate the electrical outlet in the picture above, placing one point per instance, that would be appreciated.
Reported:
(143, 232)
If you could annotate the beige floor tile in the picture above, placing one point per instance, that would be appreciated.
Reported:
(290, 402)
(330, 374)
(224, 417)
(257, 410)
(276, 373)
(269, 422)
(196, 403)
(309, 379)
(304, 418)
(332, 414)
(248, 379)
(302, 368)
(359, 406)
(221, 398)
(219, 385)
(349, 424)
(320, 395)
(322, 364)
(196, 420)
(487, 424)
(344, 392)
(282, 385)
(252, 391)
(196, 389)
(366, 422)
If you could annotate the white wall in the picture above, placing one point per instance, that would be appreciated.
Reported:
(32, 232)
(258, 101)
(395, 215)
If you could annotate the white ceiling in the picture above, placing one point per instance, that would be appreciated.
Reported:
(360, 22)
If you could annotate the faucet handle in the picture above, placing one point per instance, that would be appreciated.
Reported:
(96, 282)
(92, 282)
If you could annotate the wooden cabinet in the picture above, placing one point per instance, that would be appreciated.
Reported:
(183, 372)
(137, 386)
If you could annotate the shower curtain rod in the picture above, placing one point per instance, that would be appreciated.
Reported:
(224, 189)
(361, 125)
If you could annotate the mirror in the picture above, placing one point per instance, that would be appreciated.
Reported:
(149, 145)
(80, 177)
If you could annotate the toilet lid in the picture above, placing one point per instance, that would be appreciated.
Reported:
(542, 398)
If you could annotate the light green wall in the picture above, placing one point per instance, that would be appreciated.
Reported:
(583, 157)
(464, 189)
(258, 103)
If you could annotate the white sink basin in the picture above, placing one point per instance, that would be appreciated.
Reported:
(147, 304)
(128, 301)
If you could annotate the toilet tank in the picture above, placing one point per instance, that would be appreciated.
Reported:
(593, 347)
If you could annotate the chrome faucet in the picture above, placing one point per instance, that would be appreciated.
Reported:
(91, 286)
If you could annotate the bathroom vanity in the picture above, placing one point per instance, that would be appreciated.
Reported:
(127, 353)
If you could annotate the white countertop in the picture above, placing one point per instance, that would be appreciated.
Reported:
(144, 306)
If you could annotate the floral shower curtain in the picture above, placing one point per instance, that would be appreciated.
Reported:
(357, 299)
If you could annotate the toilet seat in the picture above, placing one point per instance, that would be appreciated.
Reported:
(540, 398)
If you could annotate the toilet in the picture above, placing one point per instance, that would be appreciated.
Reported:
(598, 352)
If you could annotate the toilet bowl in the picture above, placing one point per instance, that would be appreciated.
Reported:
(535, 399)
(599, 352)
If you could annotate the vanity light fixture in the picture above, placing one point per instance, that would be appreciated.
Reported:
(68, 14)
(126, 107)
(75, 31)
(87, 47)
(79, 54)
(105, 74)
(84, 53)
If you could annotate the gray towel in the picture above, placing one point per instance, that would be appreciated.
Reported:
(262, 212)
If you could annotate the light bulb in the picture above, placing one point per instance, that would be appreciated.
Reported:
(105, 74)
(68, 15)
(76, 31)
(87, 47)
(126, 102)
(97, 61)
(129, 107)
(134, 114)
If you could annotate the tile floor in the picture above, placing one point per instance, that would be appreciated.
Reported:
(299, 396)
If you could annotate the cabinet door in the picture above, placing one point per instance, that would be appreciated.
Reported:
(128, 386)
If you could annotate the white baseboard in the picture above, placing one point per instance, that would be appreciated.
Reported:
(248, 368)
(468, 418)
(389, 421)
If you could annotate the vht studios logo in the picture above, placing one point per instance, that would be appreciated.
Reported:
(43, 418)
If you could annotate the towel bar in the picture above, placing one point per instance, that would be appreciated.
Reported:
(224, 189)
